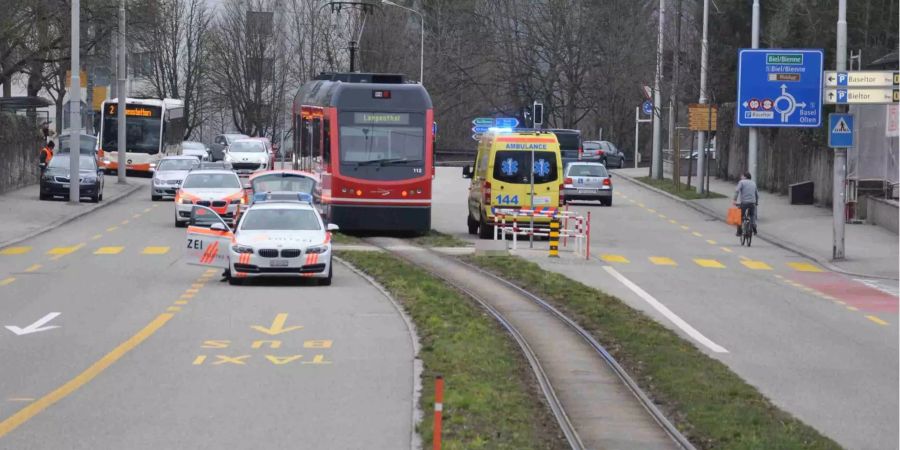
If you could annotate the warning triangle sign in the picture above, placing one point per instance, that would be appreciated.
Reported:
(841, 127)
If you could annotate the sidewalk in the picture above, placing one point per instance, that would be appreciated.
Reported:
(805, 229)
(25, 216)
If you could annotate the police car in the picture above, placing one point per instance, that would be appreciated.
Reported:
(279, 235)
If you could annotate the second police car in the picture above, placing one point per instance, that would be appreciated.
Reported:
(220, 190)
(279, 235)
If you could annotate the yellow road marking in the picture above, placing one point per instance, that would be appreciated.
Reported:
(96, 237)
(709, 263)
(146, 210)
(711, 242)
(191, 291)
(726, 249)
(662, 261)
(803, 267)
(173, 309)
(631, 200)
(673, 221)
(641, 205)
(155, 250)
(63, 251)
(211, 271)
(112, 228)
(26, 413)
(614, 258)
(15, 250)
(187, 295)
(839, 302)
(685, 227)
(651, 210)
(779, 276)
(108, 250)
(199, 360)
(7, 281)
(124, 222)
(853, 308)
(755, 265)
(696, 234)
(744, 258)
(197, 285)
(33, 267)
(663, 216)
(155, 206)
(876, 320)
(181, 302)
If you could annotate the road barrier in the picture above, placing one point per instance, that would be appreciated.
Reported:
(438, 411)
(512, 223)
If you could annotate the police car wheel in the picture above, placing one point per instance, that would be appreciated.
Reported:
(235, 281)
(155, 198)
(326, 281)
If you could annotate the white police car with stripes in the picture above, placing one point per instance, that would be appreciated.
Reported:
(280, 235)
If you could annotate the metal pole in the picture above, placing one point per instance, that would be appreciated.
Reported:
(656, 169)
(753, 136)
(421, 49)
(701, 135)
(531, 234)
(122, 92)
(637, 134)
(840, 154)
(75, 111)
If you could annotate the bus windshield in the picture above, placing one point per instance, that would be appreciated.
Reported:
(142, 131)
(382, 138)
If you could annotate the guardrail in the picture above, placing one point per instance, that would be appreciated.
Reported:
(510, 223)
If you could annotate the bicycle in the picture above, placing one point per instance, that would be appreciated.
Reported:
(746, 227)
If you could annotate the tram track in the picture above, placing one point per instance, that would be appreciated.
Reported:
(547, 373)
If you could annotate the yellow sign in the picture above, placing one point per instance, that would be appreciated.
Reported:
(82, 81)
(99, 96)
(702, 117)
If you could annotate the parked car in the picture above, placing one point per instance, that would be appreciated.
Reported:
(55, 180)
(169, 174)
(198, 150)
(605, 152)
(88, 144)
(587, 181)
(569, 144)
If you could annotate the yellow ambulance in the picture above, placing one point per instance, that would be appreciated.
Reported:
(501, 179)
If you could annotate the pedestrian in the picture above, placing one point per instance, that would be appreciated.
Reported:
(46, 155)
(746, 197)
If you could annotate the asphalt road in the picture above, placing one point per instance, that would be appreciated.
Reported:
(821, 345)
(148, 352)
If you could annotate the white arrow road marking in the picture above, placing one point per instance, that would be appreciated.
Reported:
(35, 327)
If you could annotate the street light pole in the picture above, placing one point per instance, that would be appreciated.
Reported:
(840, 154)
(656, 166)
(121, 93)
(421, 37)
(75, 110)
(701, 135)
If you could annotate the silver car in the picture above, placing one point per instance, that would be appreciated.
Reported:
(169, 175)
(588, 181)
(195, 149)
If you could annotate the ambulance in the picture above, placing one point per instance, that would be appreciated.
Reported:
(501, 179)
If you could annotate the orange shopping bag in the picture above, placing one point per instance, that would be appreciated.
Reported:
(734, 216)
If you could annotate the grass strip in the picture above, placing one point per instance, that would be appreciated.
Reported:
(685, 193)
(709, 403)
(435, 238)
(490, 400)
(341, 238)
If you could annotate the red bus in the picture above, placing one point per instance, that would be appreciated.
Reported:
(369, 138)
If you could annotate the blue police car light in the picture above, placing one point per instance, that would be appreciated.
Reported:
(304, 197)
(260, 196)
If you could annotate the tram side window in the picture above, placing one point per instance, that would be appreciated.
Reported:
(326, 142)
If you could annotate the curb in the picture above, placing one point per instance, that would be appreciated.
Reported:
(768, 238)
(131, 190)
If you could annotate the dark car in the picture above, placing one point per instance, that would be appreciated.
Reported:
(605, 152)
(55, 180)
(569, 145)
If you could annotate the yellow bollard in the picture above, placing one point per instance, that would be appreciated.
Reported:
(554, 237)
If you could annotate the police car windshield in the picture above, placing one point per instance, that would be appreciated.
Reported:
(280, 220)
(211, 181)
(283, 183)
(177, 164)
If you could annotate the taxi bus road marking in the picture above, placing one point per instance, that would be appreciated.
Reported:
(662, 309)
(181, 302)
(155, 250)
(59, 252)
(696, 234)
(33, 267)
(277, 326)
(26, 413)
(685, 227)
(199, 360)
(197, 285)
(876, 320)
(282, 360)
(108, 250)
(803, 267)
(173, 309)
(711, 242)
(15, 250)
(318, 359)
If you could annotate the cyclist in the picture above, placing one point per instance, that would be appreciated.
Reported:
(746, 197)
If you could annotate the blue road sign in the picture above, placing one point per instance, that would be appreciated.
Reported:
(779, 88)
(506, 122)
(840, 130)
(647, 107)
(480, 129)
(483, 122)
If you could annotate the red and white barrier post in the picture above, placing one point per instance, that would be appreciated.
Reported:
(587, 253)
(438, 410)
